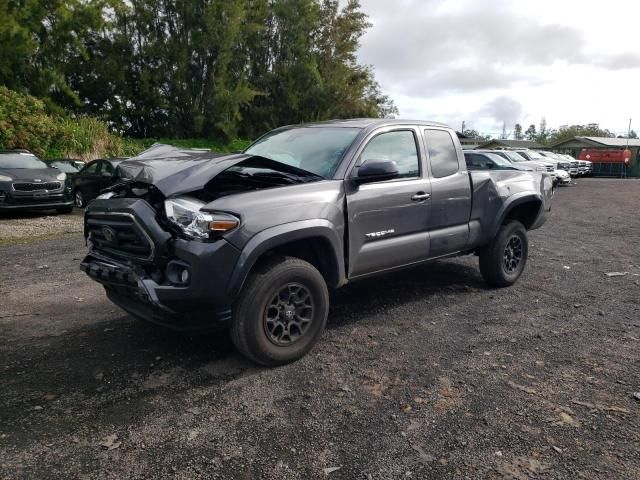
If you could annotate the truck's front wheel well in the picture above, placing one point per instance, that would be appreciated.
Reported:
(316, 251)
(525, 213)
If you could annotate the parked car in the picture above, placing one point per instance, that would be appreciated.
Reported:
(562, 166)
(573, 164)
(26, 182)
(69, 166)
(563, 177)
(583, 167)
(93, 178)
(490, 160)
(252, 242)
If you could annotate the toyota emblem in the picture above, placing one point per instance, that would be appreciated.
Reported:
(109, 234)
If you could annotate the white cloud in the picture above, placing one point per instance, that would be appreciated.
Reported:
(507, 60)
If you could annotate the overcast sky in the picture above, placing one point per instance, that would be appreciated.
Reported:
(494, 61)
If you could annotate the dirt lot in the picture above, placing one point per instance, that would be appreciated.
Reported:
(422, 374)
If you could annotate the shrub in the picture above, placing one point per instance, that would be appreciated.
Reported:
(25, 123)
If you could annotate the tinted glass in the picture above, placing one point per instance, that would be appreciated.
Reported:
(91, 169)
(399, 147)
(314, 149)
(442, 153)
(514, 156)
(487, 161)
(107, 169)
(21, 160)
(64, 167)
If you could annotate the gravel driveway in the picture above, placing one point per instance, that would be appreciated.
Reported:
(425, 373)
(25, 227)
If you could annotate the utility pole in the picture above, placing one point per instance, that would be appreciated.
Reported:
(463, 127)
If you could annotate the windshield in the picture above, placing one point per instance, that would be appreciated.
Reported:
(314, 149)
(64, 167)
(21, 160)
(499, 161)
(533, 155)
(514, 157)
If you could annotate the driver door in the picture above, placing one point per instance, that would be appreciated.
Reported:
(388, 220)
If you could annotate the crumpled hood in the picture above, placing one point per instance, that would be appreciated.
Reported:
(31, 174)
(175, 171)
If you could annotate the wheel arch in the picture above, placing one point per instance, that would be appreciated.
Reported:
(525, 208)
(315, 241)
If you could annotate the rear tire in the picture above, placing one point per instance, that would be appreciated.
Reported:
(504, 259)
(78, 199)
(281, 312)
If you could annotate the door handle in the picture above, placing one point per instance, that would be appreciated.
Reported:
(421, 197)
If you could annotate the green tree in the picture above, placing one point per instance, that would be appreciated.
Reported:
(37, 37)
(568, 132)
(531, 134)
(517, 132)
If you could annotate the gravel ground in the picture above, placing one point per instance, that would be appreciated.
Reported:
(24, 227)
(425, 373)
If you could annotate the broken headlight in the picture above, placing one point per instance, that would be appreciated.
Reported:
(184, 212)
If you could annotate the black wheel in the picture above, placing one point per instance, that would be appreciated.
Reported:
(78, 199)
(281, 312)
(65, 210)
(503, 260)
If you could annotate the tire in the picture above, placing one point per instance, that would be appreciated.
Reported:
(65, 210)
(504, 259)
(78, 199)
(279, 292)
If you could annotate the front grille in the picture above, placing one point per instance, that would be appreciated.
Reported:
(35, 187)
(118, 235)
(550, 168)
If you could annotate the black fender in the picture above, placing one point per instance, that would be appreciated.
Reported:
(282, 234)
(512, 202)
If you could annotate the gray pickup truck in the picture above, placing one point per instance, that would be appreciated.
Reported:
(253, 242)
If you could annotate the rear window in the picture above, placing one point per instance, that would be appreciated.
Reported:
(442, 153)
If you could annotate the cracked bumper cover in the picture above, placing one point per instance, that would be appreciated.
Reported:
(145, 290)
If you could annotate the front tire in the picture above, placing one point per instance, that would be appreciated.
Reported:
(78, 199)
(504, 259)
(281, 312)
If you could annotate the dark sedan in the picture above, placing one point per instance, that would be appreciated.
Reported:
(93, 178)
(26, 182)
(67, 165)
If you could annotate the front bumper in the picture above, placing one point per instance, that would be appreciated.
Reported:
(150, 288)
(43, 200)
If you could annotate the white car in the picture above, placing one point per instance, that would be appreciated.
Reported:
(563, 177)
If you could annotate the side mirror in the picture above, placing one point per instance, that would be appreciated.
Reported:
(376, 171)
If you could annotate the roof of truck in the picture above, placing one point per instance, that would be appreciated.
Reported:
(368, 123)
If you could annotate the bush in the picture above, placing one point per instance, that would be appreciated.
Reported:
(26, 123)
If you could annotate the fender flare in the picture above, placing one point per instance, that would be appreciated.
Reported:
(280, 235)
(511, 203)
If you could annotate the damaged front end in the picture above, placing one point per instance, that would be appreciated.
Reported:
(157, 248)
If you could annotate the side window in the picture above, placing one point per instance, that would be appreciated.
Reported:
(442, 153)
(476, 161)
(106, 170)
(91, 169)
(399, 147)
